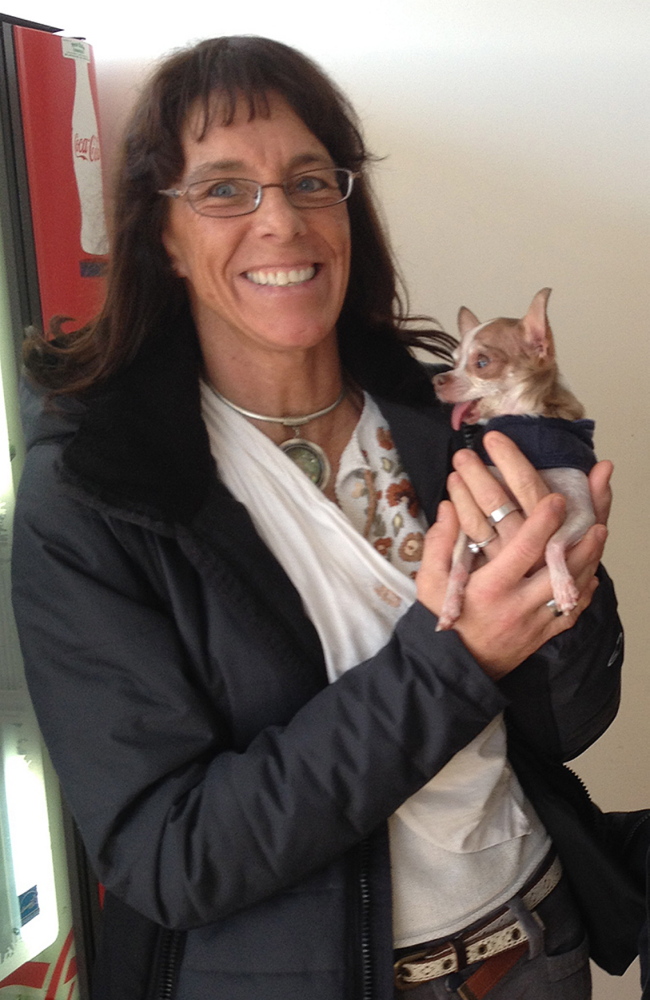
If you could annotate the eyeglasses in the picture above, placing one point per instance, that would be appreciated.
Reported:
(227, 197)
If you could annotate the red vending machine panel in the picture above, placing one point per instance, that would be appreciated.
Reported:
(58, 100)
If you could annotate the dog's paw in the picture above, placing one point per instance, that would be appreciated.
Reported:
(566, 596)
(453, 602)
(565, 592)
(450, 613)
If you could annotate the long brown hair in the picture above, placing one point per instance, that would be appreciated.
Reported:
(143, 294)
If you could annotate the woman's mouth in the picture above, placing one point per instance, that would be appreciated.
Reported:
(282, 278)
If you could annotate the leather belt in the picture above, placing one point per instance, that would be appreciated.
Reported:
(501, 932)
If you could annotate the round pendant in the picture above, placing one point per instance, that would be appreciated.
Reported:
(310, 459)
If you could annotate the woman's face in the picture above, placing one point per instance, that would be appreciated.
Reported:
(226, 262)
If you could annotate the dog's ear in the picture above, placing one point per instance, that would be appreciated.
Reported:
(539, 339)
(466, 320)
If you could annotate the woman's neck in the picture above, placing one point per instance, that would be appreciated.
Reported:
(293, 385)
(277, 383)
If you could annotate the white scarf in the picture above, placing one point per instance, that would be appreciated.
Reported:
(355, 597)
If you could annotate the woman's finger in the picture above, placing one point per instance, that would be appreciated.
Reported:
(439, 542)
(488, 493)
(478, 495)
(524, 551)
(582, 562)
(472, 519)
(521, 478)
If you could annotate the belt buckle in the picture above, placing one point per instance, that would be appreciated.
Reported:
(454, 961)
(402, 981)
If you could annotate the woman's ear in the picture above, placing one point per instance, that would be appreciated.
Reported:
(169, 244)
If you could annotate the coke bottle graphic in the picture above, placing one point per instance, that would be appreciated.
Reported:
(86, 154)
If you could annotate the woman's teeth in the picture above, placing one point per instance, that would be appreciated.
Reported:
(293, 277)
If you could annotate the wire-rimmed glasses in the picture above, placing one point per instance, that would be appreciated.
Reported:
(227, 197)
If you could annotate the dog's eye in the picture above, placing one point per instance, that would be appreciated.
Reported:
(482, 361)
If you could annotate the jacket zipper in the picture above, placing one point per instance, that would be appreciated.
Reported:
(364, 894)
(580, 782)
(629, 837)
(171, 948)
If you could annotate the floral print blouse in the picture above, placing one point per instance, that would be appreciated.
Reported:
(376, 495)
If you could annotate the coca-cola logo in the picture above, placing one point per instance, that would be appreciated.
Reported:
(86, 148)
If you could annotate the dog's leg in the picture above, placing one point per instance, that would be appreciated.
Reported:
(565, 592)
(461, 564)
(579, 517)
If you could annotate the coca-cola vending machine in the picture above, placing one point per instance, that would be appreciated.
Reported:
(52, 257)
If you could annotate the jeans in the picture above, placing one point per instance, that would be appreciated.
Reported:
(559, 972)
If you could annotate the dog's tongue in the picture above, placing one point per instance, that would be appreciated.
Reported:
(458, 413)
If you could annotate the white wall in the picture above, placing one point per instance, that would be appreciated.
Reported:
(517, 146)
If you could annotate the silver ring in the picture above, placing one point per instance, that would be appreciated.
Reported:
(502, 511)
(476, 547)
(554, 608)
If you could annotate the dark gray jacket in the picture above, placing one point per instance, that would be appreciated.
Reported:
(232, 802)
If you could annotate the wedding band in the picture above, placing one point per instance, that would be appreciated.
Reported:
(502, 511)
(554, 608)
(476, 547)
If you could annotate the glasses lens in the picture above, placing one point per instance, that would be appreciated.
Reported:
(223, 197)
(319, 188)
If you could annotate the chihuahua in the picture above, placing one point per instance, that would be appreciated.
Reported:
(506, 378)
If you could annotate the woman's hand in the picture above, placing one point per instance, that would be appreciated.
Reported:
(505, 617)
(475, 492)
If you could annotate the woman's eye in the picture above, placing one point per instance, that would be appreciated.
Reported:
(307, 184)
(222, 189)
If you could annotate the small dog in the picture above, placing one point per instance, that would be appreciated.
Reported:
(506, 378)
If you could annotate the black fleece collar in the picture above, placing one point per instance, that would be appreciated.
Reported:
(142, 444)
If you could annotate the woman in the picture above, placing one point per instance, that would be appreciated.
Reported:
(191, 600)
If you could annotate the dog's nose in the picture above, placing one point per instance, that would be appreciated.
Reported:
(439, 379)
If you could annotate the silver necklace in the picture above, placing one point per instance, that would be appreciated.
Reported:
(308, 456)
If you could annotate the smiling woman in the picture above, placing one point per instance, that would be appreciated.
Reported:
(251, 317)
(227, 573)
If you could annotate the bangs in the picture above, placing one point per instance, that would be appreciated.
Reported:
(212, 82)
(222, 106)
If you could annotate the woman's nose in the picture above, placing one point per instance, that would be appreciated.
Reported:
(277, 215)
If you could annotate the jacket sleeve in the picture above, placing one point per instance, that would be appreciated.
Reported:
(567, 694)
(177, 823)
